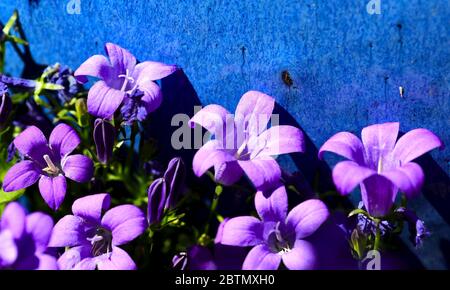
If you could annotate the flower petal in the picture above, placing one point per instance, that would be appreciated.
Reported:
(378, 194)
(307, 217)
(348, 174)
(13, 219)
(8, 249)
(153, 70)
(209, 155)
(379, 141)
(126, 223)
(152, 98)
(119, 260)
(344, 144)
(47, 262)
(78, 167)
(261, 258)
(279, 140)
(90, 207)
(53, 190)
(416, 143)
(77, 258)
(69, 232)
(63, 140)
(213, 118)
(121, 59)
(39, 226)
(301, 257)
(32, 142)
(274, 207)
(409, 178)
(227, 173)
(264, 173)
(96, 66)
(254, 111)
(21, 175)
(103, 101)
(243, 231)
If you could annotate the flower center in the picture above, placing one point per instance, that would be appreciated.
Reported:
(127, 78)
(278, 243)
(51, 168)
(101, 242)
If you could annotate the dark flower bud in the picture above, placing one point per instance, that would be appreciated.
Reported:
(5, 103)
(174, 176)
(157, 194)
(104, 136)
(62, 75)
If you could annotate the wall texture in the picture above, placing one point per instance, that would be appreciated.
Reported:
(346, 64)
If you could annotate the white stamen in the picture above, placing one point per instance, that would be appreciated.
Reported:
(380, 165)
(95, 239)
(127, 78)
(51, 168)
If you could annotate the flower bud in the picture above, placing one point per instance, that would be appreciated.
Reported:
(5, 103)
(81, 112)
(104, 136)
(157, 193)
(174, 177)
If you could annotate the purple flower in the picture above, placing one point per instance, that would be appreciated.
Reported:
(94, 239)
(174, 177)
(379, 164)
(157, 196)
(244, 144)
(49, 162)
(279, 235)
(104, 136)
(5, 103)
(120, 77)
(18, 82)
(134, 108)
(24, 239)
(62, 75)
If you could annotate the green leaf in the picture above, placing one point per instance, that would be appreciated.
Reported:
(20, 97)
(6, 197)
(358, 211)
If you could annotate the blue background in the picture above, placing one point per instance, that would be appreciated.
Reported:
(346, 64)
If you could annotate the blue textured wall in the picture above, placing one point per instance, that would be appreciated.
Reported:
(346, 65)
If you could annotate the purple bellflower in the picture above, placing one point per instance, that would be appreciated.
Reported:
(380, 164)
(62, 75)
(49, 162)
(24, 239)
(121, 78)
(5, 103)
(163, 192)
(95, 240)
(244, 144)
(278, 236)
(104, 136)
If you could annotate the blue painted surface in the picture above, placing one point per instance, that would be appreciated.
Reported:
(346, 65)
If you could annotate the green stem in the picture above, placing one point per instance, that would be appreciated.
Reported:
(376, 244)
(214, 204)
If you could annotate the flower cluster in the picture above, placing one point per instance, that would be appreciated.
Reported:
(73, 141)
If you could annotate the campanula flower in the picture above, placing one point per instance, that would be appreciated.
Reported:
(157, 196)
(95, 237)
(49, 162)
(174, 176)
(62, 75)
(5, 103)
(104, 136)
(24, 239)
(120, 78)
(380, 164)
(279, 235)
(243, 144)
